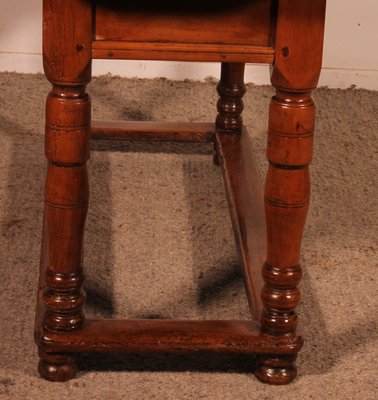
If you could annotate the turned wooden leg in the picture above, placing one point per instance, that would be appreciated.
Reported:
(231, 89)
(67, 39)
(295, 73)
(66, 203)
(287, 192)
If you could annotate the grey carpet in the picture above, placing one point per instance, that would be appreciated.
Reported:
(159, 245)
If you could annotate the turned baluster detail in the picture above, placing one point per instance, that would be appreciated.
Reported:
(295, 74)
(67, 39)
(231, 89)
(67, 42)
(287, 193)
(66, 203)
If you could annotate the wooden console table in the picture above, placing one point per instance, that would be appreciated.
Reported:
(288, 34)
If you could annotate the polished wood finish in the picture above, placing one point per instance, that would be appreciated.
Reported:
(168, 336)
(201, 21)
(245, 200)
(218, 31)
(287, 187)
(231, 89)
(182, 52)
(203, 30)
(268, 226)
(67, 41)
(201, 132)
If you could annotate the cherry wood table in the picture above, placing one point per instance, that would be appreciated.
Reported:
(268, 224)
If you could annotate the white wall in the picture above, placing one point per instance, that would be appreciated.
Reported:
(350, 53)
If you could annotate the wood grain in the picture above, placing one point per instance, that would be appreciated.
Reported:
(245, 200)
(123, 50)
(156, 131)
(206, 21)
(299, 43)
(285, 33)
(67, 37)
(168, 335)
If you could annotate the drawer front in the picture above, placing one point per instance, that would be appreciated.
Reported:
(244, 22)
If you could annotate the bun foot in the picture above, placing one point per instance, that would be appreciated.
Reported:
(57, 367)
(279, 370)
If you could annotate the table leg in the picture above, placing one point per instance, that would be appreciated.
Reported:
(231, 89)
(66, 203)
(295, 73)
(287, 192)
(67, 27)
